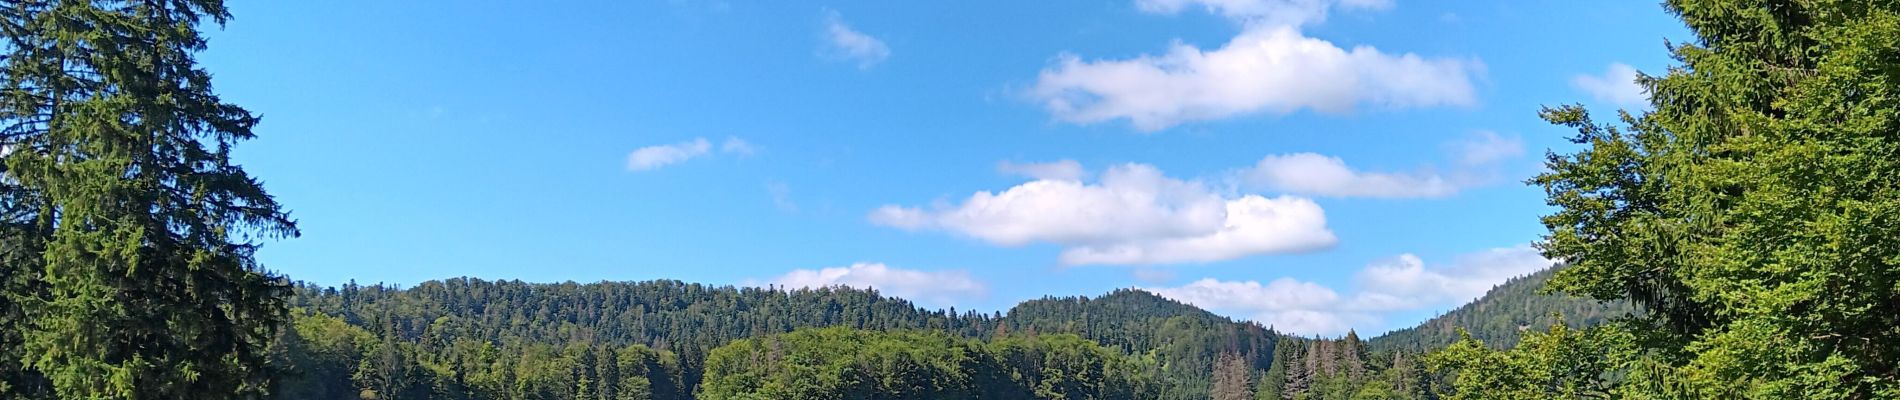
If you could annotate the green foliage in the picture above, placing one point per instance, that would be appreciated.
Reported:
(1561, 363)
(1752, 213)
(460, 317)
(1186, 341)
(839, 363)
(323, 357)
(474, 339)
(127, 270)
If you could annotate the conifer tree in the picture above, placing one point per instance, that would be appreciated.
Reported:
(1752, 213)
(132, 274)
(1233, 378)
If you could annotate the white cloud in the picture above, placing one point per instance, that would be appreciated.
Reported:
(1064, 170)
(1320, 175)
(1406, 279)
(652, 157)
(1133, 215)
(1402, 284)
(937, 288)
(1477, 158)
(846, 43)
(1617, 85)
(1286, 304)
(1269, 67)
(1254, 225)
(738, 146)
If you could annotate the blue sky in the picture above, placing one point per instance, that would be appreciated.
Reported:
(1316, 165)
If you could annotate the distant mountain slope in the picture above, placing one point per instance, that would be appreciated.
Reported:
(473, 339)
(1186, 341)
(483, 334)
(1501, 314)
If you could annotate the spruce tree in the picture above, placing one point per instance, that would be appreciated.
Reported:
(1273, 383)
(132, 273)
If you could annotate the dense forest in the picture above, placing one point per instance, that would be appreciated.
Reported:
(469, 338)
(474, 339)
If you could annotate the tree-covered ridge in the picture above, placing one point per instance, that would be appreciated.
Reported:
(1186, 341)
(683, 318)
(1502, 314)
(442, 330)
(839, 363)
(474, 339)
(323, 357)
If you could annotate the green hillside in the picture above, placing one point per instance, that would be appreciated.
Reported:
(473, 339)
(1500, 317)
(476, 339)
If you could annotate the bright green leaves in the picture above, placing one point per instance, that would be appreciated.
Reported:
(1562, 363)
(839, 363)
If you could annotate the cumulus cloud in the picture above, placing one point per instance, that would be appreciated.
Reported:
(1269, 67)
(1476, 157)
(1133, 214)
(1286, 304)
(1321, 175)
(1401, 284)
(1254, 225)
(937, 288)
(1064, 170)
(846, 43)
(1617, 86)
(1405, 280)
(656, 156)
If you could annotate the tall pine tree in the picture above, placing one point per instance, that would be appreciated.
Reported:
(133, 275)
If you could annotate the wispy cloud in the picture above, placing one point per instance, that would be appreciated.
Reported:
(654, 157)
(738, 146)
(846, 43)
(1486, 148)
(781, 196)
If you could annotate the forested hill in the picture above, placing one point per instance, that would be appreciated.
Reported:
(470, 338)
(1502, 315)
